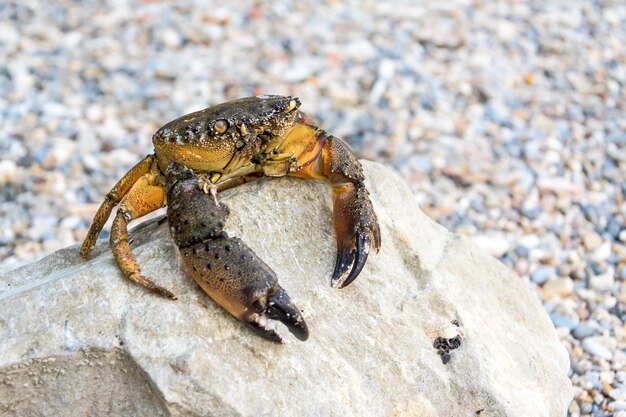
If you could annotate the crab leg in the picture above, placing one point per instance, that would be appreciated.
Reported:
(112, 199)
(145, 196)
(224, 267)
(324, 156)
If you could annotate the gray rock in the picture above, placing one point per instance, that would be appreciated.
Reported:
(543, 274)
(79, 339)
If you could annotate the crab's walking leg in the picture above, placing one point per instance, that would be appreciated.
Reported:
(224, 267)
(356, 225)
(145, 196)
(111, 200)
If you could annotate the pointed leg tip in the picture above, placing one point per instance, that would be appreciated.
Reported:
(165, 293)
(150, 285)
(84, 251)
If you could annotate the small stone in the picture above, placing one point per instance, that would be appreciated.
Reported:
(602, 282)
(592, 240)
(521, 251)
(171, 38)
(586, 407)
(574, 409)
(543, 274)
(596, 345)
(8, 171)
(582, 332)
(618, 394)
(495, 245)
(603, 251)
(562, 321)
(618, 405)
(94, 113)
(557, 287)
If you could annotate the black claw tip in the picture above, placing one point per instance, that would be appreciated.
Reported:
(344, 261)
(280, 307)
(362, 251)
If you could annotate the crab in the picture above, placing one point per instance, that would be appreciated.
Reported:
(201, 154)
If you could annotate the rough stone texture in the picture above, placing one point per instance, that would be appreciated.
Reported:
(78, 339)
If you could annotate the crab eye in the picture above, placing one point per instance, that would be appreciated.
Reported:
(291, 107)
(220, 126)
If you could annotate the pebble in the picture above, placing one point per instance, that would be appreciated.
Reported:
(602, 282)
(497, 246)
(543, 274)
(581, 332)
(496, 125)
(618, 405)
(596, 345)
(592, 240)
(557, 287)
(563, 321)
(618, 394)
(574, 409)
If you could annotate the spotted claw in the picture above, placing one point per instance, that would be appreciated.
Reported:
(224, 267)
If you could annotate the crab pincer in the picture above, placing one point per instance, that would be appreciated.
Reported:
(224, 267)
(357, 230)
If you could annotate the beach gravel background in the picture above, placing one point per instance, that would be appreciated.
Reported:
(506, 118)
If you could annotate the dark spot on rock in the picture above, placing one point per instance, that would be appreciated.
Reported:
(208, 266)
(444, 346)
(440, 343)
(227, 247)
(454, 343)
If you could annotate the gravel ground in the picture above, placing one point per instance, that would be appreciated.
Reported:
(507, 119)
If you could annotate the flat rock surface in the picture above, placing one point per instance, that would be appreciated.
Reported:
(78, 339)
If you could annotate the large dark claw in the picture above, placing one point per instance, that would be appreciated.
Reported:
(224, 267)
